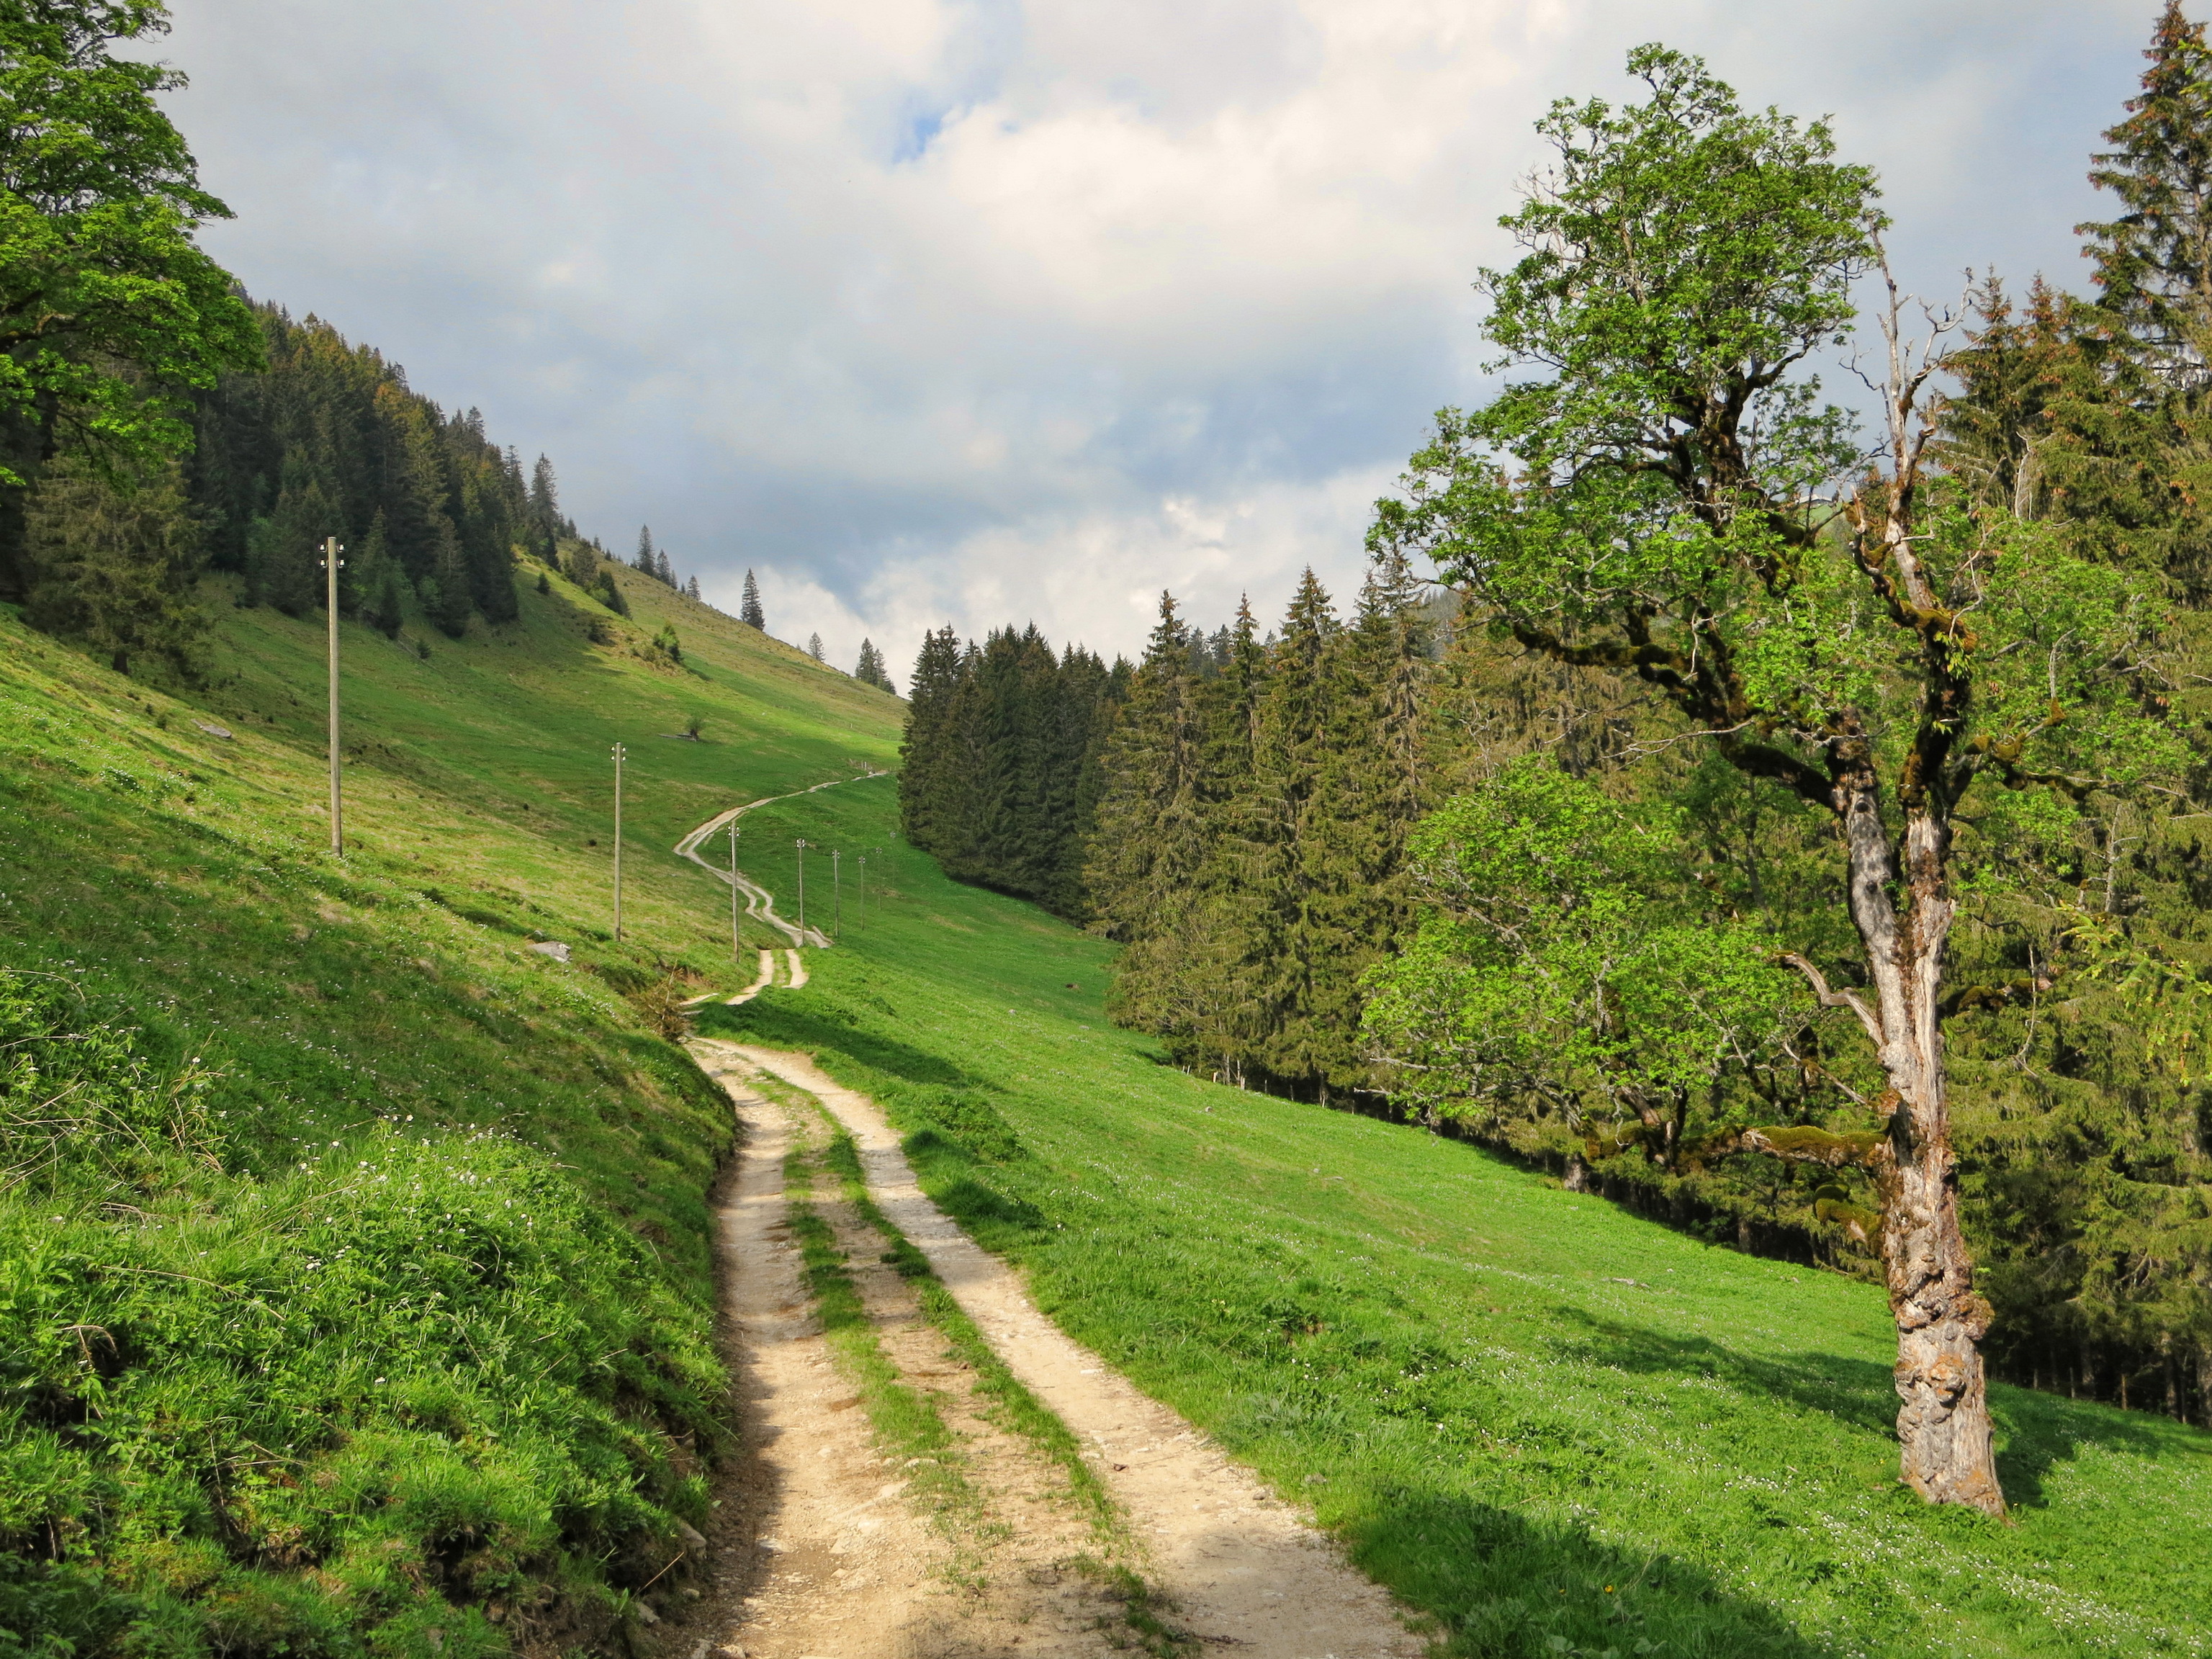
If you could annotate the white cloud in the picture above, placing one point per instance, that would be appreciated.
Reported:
(990, 310)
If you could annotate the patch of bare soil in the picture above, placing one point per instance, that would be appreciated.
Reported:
(1242, 1569)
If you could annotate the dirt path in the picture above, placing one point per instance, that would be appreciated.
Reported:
(821, 1554)
(1242, 1569)
(828, 1505)
(760, 903)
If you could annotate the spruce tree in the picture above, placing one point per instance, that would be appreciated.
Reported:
(691, 589)
(1148, 846)
(925, 750)
(2153, 262)
(814, 649)
(545, 500)
(383, 606)
(1370, 795)
(113, 566)
(645, 559)
(1300, 874)
(446, 595)
(1226, 970)
(749, 609)
(869, 671)
(581, 565)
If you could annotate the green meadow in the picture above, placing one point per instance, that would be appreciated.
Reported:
(354, 1256)
(368, 1307)
(1550, 1425)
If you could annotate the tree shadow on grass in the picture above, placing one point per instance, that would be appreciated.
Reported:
(1858, 1392)
(780, 1023)
(2035, 1430)
(1500, 1583)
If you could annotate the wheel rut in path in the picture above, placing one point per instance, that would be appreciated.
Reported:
(1243, 1570)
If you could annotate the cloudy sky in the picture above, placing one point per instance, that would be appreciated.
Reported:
(987, 311)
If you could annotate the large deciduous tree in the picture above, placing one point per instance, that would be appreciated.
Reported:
(108, 310)
(1670, 498)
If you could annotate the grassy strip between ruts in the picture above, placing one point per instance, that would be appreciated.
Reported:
(909, 1421)
(1019, 1409)
(908, 1424)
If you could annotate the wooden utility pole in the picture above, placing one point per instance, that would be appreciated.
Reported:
(802, 891)
(736, 955)
(618, 761)
(330, 563)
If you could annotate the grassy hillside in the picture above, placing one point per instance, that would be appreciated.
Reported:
(359, 1296)
(1552, 1426)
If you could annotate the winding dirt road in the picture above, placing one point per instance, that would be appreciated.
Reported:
(760, 903)
(854, 1573)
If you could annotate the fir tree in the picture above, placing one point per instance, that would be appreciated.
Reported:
(545, 500)
(1149, 842)
(814, 649)
(383, 605)
(692, 590)
(748, 609)
(609, 593)
(113, 566)
(581, 565)
(1301, 875)
(2154, 263)
(869, 671)
(926, 808)
(646, 559)
(446, 590)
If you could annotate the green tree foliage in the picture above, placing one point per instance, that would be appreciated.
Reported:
(1665, 512)
(1566, 971)
(110, 314)
(2154, 261)
(999, 759)
(748, 609)
(329, 441)
(870, 669)
(1279, 781)
(113, 565)
(1149, 839)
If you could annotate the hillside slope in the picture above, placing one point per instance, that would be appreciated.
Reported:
(1552, 1426)
(361, 1296)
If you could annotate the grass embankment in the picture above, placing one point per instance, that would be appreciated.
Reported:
(1557, 1427)
(358, 1295)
